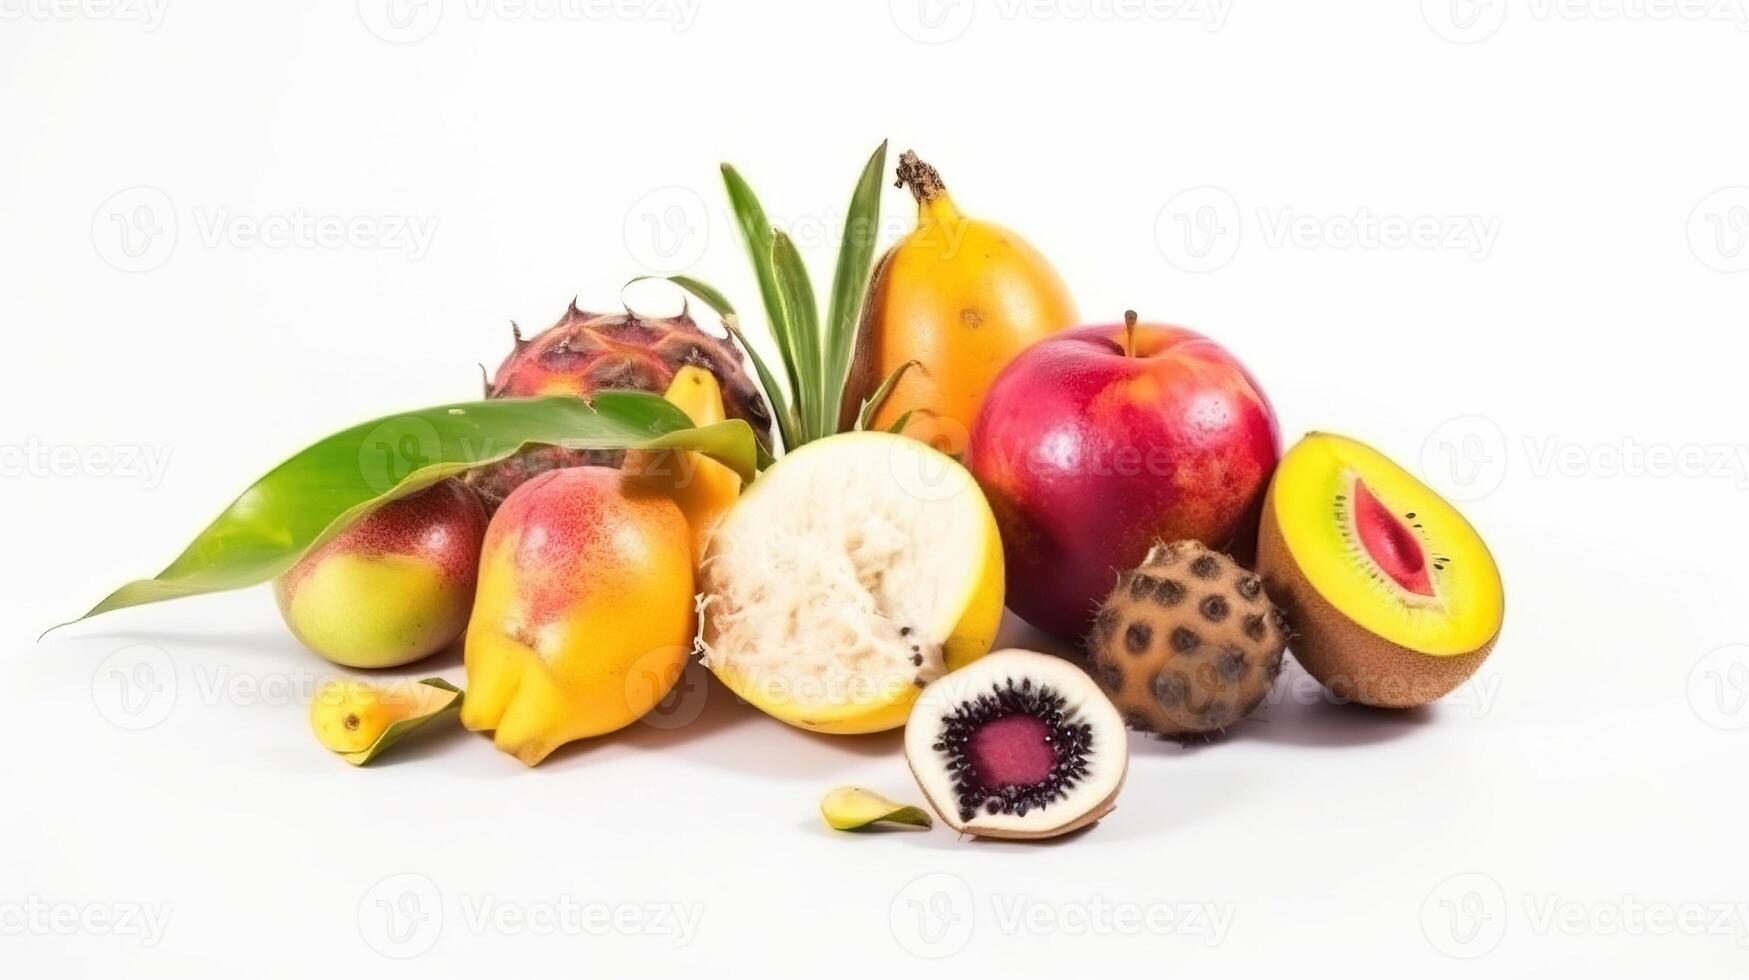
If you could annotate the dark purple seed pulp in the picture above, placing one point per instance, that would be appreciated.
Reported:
(1013, 750)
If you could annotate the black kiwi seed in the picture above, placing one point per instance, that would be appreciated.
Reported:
(1249, 587)
(1185, 639)
(1138, 636)
(917, 660)
(1254, 626)
(1205, 566)
(1214, 608)
(1169, 688)
(1169, 592)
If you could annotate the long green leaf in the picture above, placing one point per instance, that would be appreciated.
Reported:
(313, 495)
(756, 228)
(803, 313)
(874, 401)
(714, 298)
(850, 279)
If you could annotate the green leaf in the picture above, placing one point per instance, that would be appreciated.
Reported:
(803, 314)
(898, 426)
(711, 296)
(850, 280)
(438, 699)
(313, 495)
(760, 245)
(873, 404)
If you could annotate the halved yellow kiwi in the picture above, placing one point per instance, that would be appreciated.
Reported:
(1392, 596)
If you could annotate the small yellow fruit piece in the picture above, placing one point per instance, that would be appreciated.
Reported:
(855, 808)
(359, 720)
(703, 487)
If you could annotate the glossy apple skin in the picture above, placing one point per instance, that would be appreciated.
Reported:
(1088, 455)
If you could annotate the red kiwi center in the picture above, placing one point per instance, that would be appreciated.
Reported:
(1012, 751)
(1390, 543)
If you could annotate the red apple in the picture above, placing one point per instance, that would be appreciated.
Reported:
(1097, 441)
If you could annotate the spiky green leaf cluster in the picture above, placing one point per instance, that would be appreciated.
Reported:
(814, 351)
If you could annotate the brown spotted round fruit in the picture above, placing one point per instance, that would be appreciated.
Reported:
(1188, 643)
(588, 352)
(1019, 745)
(1393, 596)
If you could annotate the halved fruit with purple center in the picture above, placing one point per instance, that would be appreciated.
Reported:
(1019, 745)
(1393, 597)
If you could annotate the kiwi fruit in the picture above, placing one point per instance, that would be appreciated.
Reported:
(1392, 597)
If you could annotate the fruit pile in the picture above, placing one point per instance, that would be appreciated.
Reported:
(836, 539)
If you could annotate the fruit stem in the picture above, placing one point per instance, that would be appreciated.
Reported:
(923, 180)
(1129, 333)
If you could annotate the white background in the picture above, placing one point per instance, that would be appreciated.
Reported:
(1563, 355)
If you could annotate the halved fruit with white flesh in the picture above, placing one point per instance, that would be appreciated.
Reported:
(855, 570)
(1393, 598)
(1019, 745)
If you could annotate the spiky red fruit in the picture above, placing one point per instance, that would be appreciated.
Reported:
(588, 352)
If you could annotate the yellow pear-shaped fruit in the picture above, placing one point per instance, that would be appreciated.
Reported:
(585, 610)
(956, 300)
